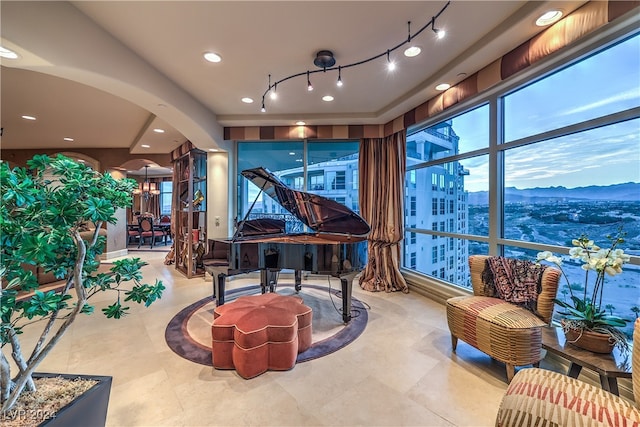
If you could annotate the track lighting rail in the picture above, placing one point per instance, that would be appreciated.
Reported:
(431, 23)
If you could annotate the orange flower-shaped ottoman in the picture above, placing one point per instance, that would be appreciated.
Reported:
(257, 333)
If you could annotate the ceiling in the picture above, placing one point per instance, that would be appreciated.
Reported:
(107, 73)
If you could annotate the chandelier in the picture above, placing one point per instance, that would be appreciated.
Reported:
(147, 189)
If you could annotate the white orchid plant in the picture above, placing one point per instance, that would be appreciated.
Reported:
(586, 312)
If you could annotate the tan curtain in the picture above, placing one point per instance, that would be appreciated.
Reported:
(153, 204)
(382, 168)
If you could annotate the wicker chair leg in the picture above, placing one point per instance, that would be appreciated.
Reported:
(454, 342)
(511, 370)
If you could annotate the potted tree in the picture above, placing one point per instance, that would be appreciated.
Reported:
(586, 322)
(44, 208)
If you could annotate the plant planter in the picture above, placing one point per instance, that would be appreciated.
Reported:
(587, 340)
(89, 409)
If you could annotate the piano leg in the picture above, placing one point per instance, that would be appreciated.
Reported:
(346, 281)
(263, 281)
(298, 280)
(218, 287)
(268, 278)
(272, 276)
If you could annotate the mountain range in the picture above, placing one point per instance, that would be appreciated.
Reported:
(629, 192)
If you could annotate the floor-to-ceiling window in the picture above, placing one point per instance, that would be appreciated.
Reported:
(336, 164)
(437, 184)
(531, 167)
(166, 189)
(326, 168)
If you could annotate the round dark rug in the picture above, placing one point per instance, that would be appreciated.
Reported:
(181, 340)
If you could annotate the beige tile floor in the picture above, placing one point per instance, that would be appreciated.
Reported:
(399, 372)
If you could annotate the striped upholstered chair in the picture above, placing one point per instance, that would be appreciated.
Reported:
(537, 397)
(507, 332)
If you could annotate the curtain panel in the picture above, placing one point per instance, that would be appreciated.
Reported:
(382, 170)
(153, 204)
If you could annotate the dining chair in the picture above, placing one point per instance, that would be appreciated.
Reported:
(147, 229)
(133, 233)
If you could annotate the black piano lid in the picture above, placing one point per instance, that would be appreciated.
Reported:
(318, 213)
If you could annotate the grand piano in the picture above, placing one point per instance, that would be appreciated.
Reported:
(329, 239)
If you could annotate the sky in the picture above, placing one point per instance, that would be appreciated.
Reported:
(602, 84)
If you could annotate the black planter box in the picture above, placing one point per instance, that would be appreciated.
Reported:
(90, 409)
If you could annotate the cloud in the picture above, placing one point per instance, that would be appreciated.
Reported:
(630, 95)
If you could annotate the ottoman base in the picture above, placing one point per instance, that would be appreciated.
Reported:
(258, 333)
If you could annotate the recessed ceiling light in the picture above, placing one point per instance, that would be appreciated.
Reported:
(412, 51)
(549, 18)
(68, 139)
(327, 98)
(300, 123)
(145, 146)
(291, 153)
(213, 150)
(158, 130)
(247, 100)
(443, 86)
(212, 57)
(8, 54)
(299, 160)
(28, 117)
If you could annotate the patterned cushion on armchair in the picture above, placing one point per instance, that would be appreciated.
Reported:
(537, 397)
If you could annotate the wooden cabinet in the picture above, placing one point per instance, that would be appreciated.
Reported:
(190, 212)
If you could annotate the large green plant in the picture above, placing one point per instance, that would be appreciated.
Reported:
(44, 207)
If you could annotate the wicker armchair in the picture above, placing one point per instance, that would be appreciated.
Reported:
(507, 332)
(537, 397)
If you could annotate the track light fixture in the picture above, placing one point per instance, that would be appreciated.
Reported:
(439, 33)
(412, 50)
(274, 92)
(390, 64)
(325, 60)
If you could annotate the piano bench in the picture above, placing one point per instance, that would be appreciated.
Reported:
(257, 333)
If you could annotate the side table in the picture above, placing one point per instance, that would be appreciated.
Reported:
(610, 367)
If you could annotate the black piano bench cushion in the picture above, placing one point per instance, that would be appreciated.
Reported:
(257, 333)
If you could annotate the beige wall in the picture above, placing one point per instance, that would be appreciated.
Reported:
(117, 233)
(218, 193)
(109, 158)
